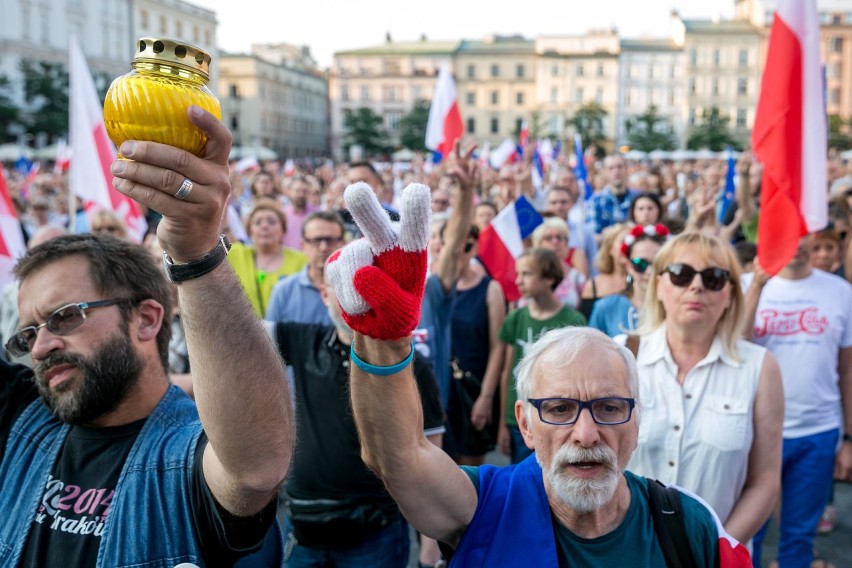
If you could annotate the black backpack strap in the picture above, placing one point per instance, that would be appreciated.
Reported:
(669, 525)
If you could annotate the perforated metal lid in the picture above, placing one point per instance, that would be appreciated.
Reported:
(172, 52)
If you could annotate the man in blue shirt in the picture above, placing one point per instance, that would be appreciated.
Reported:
(612, 204)
(297, 297)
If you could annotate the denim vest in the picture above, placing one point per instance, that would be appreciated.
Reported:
(512, 524)
(150, 523)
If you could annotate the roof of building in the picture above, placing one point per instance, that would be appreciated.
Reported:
(719, 26)
(656, 44)
(498, 44)
(423, 47)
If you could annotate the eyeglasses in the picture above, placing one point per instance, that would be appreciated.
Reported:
(640, 265)
(682, 275)
(468, 246)
(566, 411)
(316, 241)
(61, 322)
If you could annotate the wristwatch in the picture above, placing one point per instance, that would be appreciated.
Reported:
(178, 273)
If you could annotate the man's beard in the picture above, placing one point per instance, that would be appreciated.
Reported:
(583, 495)
(102, 382)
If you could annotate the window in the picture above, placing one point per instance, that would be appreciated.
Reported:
(391, 66)
(164, 25)
(208, 37)
(233, 91)
(581, 70)
(742, 86)
(390, 94)
(235, 123)
(179, 29)
(599, 95)
(471, 71)
(393, 121)
(365, 93)
(520, 71)
(692, 86)
(495, 125)
(628, 97)
(692, 117)
(715, 87)
(143, 19)
(600, 71)
(742, 58)
(196, 34)
(344, 92)
(717, 57)
(653, 96)
(519, 124)
(418, 93)
(651, 71)
(741, 117)
(693, 56)
(671, 97)
(495, 70)
(471, 97)
(554, 95)
(835, 45)
(554, 70)
(631, 71)
(519, 98)
(672, 72)
(471, 126)
(578, 95)
(495, 97)
(834, 96)
(553, 125)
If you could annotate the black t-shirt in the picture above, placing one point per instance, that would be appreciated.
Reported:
(78, 494)
(327, 460)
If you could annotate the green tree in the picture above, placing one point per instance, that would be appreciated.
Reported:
(364, 128)
(712, 132)
(838, 132)
(412, 127)
(589, 122)
(46, 93)
(648, 132)
(9, 112)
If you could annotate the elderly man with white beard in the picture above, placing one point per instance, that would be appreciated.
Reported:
(571, 503)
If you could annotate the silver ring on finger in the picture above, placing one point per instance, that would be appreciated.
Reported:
(184, 190)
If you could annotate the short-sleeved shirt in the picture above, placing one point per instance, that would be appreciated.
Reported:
(327, 460)
(520, 331)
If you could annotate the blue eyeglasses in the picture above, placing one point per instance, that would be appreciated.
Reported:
(565, 411)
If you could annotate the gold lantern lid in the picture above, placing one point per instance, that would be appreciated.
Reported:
(172, 52)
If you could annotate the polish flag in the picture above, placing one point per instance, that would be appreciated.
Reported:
(445, 122)
(524, 134)
(63, 158)
(789, 136)
(503, 154)
(503, 241)
(12, 245)
(90, 178)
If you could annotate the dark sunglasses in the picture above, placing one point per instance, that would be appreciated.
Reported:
(713, 279)
(640, 265)
(61, 322)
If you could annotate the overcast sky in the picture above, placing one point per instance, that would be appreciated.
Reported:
(328, 26)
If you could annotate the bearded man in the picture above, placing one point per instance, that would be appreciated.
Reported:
(571, 503)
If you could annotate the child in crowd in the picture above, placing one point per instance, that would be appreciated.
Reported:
(539, 273)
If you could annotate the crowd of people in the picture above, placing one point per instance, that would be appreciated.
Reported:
(643, 300)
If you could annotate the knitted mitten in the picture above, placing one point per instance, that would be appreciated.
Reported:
(380, 279)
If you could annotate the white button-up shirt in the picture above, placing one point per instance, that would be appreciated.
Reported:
(697, 435)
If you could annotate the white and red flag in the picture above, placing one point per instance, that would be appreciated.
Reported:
(12, 244)
(789, 135)
(445, 124)
(89, 175)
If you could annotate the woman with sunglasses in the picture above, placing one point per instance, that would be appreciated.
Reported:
(619, 313)
(712, 404)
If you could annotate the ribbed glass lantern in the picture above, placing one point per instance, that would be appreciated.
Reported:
(149, 103)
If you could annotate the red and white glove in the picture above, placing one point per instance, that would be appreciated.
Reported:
(380, 279)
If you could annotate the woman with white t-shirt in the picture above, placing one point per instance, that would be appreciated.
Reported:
(712, 405)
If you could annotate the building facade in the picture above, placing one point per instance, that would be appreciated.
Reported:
(495, 83)
(388, 79)
(272, 100)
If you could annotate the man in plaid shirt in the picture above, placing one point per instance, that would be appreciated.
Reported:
(612, 204)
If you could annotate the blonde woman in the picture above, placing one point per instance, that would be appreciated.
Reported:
(612, 276)
(712, 404)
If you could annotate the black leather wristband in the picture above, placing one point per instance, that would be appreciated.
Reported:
(178, 273)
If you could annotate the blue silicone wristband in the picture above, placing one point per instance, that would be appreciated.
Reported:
(380, 371)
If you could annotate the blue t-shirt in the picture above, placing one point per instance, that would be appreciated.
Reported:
(432, 336)
(614, 315)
